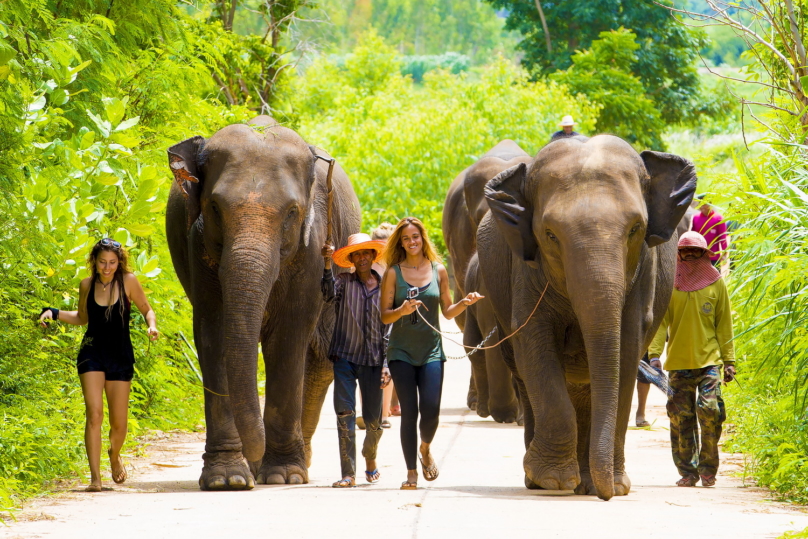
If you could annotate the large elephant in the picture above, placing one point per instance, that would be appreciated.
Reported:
(591, 226)
(463, 210)
(245, 222)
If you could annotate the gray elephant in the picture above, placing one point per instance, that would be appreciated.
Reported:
(591, 227)
(490, 389)
(245, 222)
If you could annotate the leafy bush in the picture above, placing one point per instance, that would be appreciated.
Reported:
(418, 66)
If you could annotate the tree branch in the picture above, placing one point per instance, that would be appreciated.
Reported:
(544, 26)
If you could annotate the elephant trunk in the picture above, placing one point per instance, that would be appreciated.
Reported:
(598, 297)
(248, 271)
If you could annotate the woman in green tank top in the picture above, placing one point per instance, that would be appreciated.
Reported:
(414, 287)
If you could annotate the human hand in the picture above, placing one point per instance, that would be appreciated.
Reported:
(471, 298)
(729, 373)
(385, 378)
(410, 305)
(153, 333)
(656, 363)
(45, 317)
(327, 251)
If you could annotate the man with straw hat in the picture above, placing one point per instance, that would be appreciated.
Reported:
(566, 125)
(358, 350)
(698, 325)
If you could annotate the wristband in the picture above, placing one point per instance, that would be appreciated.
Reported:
(54, 312)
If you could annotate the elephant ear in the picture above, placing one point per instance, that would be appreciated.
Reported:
(671, 190)
(512, 212)
(184, 159)
(311, 213)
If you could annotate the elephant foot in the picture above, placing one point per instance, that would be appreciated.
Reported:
(225, 470)
(282, 474)
(530, 484)
(482, 409)
(622, 485)
(503, 416)
(559, 476)
(471, 399)
(307, 452)
(520, 420)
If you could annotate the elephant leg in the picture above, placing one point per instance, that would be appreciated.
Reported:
(550, 459)
(502, 401)
(224, 465)
(581, 397)
(319, 375)
(473, 337)
(471, 395)
(520, 414)
(285, 350)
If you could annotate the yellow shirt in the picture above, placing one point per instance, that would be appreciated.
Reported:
(699, 329)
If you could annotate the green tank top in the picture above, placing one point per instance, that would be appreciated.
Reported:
(417, 343)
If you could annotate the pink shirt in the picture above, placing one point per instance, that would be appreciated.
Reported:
(714, 230)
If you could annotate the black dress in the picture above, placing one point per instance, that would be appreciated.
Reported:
(106, 346)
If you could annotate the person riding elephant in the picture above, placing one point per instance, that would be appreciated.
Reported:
(463, 210)
(245, 221)
(577, 258)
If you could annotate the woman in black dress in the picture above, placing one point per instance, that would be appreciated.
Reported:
(106, 360)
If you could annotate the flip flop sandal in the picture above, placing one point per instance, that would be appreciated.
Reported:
(643, 423)
(395, 410)
(406, 485)
(121, 476)
(374, 476)
(687, 481)
(707, 480)
(386, 424)
(430, 472)
(344, 483)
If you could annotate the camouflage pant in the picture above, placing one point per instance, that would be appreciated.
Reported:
(696, 393)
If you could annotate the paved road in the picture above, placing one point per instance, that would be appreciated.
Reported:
(479, 493)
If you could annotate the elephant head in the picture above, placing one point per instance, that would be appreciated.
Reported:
(250, 194)
(585, 213)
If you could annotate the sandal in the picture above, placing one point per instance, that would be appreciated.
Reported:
(374, 476)
(642, 423)
(430, 472)
(707, 480)
(395, 410)
(687, 481)
(386, 424)
(119, 477)
(406, 485)
(346, 482)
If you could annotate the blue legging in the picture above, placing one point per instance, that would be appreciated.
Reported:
(419, 390)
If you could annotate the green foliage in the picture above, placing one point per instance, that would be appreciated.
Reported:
(603, 73)
(91, 94)
(402, 144)
(768, 287)
(665, 57)
(418, 66)
(414, 27)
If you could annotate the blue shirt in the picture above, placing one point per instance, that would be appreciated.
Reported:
(359, 336)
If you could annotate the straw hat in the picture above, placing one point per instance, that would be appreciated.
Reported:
(357, 242)
(566, 120)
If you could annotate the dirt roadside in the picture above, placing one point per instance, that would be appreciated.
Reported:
(479, 493)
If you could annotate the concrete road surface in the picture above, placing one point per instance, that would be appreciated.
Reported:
(479, 493)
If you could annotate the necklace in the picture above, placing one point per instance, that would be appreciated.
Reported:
(104, 286)
(421, 263)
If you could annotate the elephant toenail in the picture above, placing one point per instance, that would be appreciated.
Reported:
(217, 482)
(296, 479)
(275, 479)
(261, 479)
(237, 481)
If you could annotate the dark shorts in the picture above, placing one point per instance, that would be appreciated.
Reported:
(113, 372)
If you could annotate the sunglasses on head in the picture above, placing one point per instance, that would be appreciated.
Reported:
(109, 242)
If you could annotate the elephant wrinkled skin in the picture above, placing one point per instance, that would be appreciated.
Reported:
(491, 390)
(594, 224)
(245, 222)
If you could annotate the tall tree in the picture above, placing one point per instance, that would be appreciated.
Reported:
(665, 58)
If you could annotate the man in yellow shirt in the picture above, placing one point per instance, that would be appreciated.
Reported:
(698, 327)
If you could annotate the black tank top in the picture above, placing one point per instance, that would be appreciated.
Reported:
(107, 339)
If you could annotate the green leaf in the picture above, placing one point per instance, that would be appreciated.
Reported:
(59, 97)
(105, 178)
(123, 126)
(115, 110)
(37, 104)
(140, 230)
(103, 126)
(87, 140)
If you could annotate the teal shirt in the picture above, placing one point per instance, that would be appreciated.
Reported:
(417, 343)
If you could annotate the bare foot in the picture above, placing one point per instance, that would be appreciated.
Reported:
(93, 487)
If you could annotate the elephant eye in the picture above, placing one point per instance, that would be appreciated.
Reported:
(552, 236)
(634, 230)
(290, 218)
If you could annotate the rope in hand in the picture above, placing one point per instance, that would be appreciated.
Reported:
(480, 346)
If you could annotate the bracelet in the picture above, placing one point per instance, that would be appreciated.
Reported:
(54, 312)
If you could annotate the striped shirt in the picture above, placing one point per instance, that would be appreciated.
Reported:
(359, 336)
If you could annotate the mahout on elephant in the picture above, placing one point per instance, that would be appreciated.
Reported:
(579, 248)
(245, 222)
(491, 391)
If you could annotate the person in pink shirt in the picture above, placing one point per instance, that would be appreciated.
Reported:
(711, 224)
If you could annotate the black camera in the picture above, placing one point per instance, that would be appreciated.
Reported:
(412, 293)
